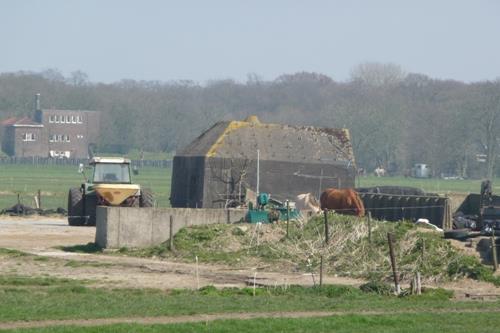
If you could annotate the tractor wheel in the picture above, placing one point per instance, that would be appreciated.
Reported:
(147, 198)
(75, 207)
(90, 209)
(458, 234)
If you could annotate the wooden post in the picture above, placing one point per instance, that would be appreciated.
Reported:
(369, 220)
(390, 240)
(423, 249)
(419, 284)
(18, 204)
(287, 217)
(171, 236)
(494, 253)
(327, 232)
(40, 199)
(321, 271)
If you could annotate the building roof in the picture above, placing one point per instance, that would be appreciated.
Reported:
(21, 122)
(109, 160)
(9, 121)
(64, 110)
(241, 139)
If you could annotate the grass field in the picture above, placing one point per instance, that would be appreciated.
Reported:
(434, 185)
(39, 298)
(410, 323)
(43, 298)
(55, 181)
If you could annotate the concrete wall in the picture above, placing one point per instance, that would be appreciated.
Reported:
(143, 227)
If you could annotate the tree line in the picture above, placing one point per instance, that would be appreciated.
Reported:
(396, 119)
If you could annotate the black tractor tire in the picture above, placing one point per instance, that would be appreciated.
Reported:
(146, 199)
(90, 209)
(75, 207)
(458, 234)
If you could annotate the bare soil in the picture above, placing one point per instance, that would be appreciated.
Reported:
(41, 235)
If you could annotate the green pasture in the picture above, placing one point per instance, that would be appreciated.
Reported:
(353, 323)
(44, 298)
(54, 181)
(434, 185)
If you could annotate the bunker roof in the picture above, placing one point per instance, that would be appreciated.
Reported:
(241, 139)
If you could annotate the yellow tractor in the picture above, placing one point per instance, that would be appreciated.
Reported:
(110, 185)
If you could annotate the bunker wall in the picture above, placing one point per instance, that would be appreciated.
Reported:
(143, 227)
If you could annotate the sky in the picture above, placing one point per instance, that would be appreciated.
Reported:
(111, 40)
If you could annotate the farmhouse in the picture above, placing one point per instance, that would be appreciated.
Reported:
(51, 133)
(219, 168)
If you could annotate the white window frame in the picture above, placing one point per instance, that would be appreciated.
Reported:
(56, 117)
(66, 138)
(68, 120)
(73, 119)
(79, 119)
(29, 137)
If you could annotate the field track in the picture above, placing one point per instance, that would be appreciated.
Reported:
(220, 316)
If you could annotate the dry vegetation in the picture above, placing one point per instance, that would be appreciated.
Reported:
(348, 253)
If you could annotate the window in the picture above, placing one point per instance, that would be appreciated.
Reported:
(79, 119)
(59, 138)
(51, 118)
(73, 119)
(56, 119)
(67, 120)
(111, 173)
(29, 137)
(66, 138)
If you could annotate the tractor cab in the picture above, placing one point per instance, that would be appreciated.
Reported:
(111, 170)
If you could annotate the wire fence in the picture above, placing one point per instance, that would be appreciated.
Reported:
(76, 161)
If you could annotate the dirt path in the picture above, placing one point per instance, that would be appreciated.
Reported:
(219, 316)
(39, 236)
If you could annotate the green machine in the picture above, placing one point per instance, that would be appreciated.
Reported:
(269, 210)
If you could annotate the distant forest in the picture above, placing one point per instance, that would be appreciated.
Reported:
(396, 119)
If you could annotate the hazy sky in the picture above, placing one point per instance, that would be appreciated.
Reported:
(201, 40)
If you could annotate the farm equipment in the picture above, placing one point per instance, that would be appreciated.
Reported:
(478, 214)
(110, 185)
(269, 210)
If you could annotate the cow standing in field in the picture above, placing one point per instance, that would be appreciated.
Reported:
(343, 201)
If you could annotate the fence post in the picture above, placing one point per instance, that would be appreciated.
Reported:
(494, 253)
(171, 235)
(369, 220)
(287, 217)
(327, 237)
(40, 199)
(321, 271)
(390, 240)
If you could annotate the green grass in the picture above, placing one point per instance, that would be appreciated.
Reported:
(24, 298)
(55, 181)
(349, 252)
(28, 299)
(417, 323)
(434, 185)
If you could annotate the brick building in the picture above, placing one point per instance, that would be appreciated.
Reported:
(51, 133)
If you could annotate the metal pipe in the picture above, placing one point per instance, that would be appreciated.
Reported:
(258, 171)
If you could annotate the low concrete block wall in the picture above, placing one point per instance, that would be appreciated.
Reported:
(143, 227)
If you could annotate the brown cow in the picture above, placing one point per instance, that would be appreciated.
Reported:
(343, 201)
